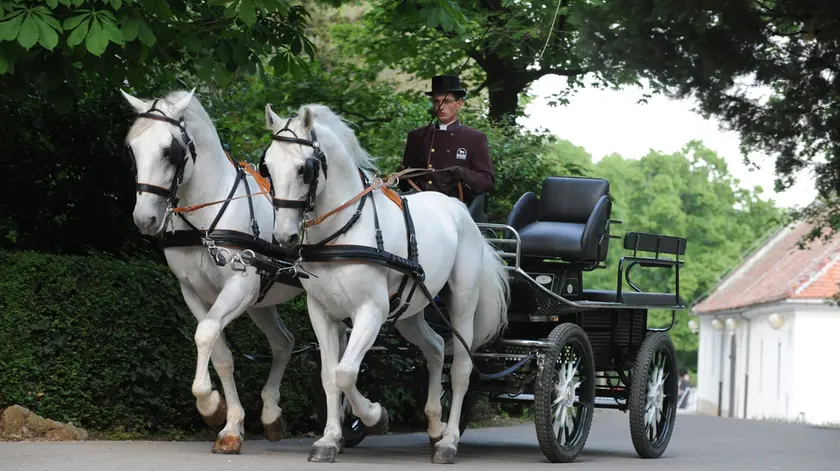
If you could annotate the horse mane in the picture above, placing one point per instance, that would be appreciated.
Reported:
(193, 112)
(322, 114)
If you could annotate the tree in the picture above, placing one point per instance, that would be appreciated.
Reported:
(711, 49)
(509, 44)
(51, 47)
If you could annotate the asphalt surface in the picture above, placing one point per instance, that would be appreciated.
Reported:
(699, 443)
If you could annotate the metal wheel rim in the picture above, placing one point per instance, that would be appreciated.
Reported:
(567, 411)
(658, 399)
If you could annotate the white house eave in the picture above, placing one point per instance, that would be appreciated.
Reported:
(783, 306)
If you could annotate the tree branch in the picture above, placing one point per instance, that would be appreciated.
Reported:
(531, 75)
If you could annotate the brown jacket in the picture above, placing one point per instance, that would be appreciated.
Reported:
(456, 145)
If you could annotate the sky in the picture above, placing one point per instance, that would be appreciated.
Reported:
(607, 121)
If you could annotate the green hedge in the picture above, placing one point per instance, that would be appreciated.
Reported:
(108, 345)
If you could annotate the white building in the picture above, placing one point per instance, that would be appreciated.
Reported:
(769, 339)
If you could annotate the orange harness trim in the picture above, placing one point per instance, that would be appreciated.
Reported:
(377, 184)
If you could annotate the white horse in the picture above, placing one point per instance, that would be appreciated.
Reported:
(168, 166)
(325, 158)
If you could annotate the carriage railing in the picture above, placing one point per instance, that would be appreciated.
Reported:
(510, 249)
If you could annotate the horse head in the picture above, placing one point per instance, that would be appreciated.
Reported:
(161, 149)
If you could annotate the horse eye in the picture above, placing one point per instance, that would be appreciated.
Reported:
(300, 170)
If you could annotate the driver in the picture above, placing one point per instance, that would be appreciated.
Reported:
(458, 155)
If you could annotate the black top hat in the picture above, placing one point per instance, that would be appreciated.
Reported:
(447, 83)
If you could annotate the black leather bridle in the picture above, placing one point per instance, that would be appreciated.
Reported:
(175, 154)
(310, 169)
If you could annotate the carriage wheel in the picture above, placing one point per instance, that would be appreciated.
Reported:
(654, 392)
(353, 430)
(565, 394)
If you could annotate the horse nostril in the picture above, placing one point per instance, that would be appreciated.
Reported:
(152, 220)
(293, 239)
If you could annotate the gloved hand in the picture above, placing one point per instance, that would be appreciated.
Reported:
(457, 173)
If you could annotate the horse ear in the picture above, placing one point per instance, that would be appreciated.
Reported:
(182, 104)
(271, 118)
(136, 103)
(308, 117)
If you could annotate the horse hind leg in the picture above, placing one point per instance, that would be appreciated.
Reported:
(282, 342)
(416, 330)
(463, 301)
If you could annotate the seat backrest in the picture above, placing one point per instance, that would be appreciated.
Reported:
(570, 199)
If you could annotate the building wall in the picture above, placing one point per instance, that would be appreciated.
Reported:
(789, 372)
(816, 382)
(769, 354)
(771, 366)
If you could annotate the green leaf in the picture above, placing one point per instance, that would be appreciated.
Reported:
(48, 37)
(97, 39)
(78, 34)
(247, 12)
(47, 18)
(29, 32)
(117, 4)
(52, 4)
(146, 35)
(113, 33)
(75, 21)
(130, 29)
(4, 66)
(10, 29)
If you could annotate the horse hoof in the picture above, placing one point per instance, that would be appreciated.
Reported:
(444, 455)
(228, 445)
(219, 417)
(323, 454)
(380, 427)
(341, 445)
(276, 430)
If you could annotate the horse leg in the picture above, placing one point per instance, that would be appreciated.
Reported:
(462, 307)
(327, 332)
(230, 304)
(211, 407)
(282, 343)
(366, 325)
(416, 330)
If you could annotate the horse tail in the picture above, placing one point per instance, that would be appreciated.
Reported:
(493, 297)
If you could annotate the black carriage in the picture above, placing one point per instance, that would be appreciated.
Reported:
(571, 348)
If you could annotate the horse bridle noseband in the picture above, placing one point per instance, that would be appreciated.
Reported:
(310, 169)
(175, 155)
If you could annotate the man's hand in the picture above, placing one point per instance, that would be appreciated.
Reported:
(457, 173)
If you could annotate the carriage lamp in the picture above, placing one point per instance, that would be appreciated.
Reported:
(693, 326)
(731, 323)
(776, 321)
(717, 324)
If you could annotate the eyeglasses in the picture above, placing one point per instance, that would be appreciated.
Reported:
(447, 101)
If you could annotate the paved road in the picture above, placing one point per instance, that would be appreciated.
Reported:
(699, 443)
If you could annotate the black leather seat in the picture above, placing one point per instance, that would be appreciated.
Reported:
(568, 221)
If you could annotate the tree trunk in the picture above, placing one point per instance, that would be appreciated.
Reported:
(504, 84)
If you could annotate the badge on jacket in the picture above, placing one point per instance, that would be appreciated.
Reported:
(461, 154)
